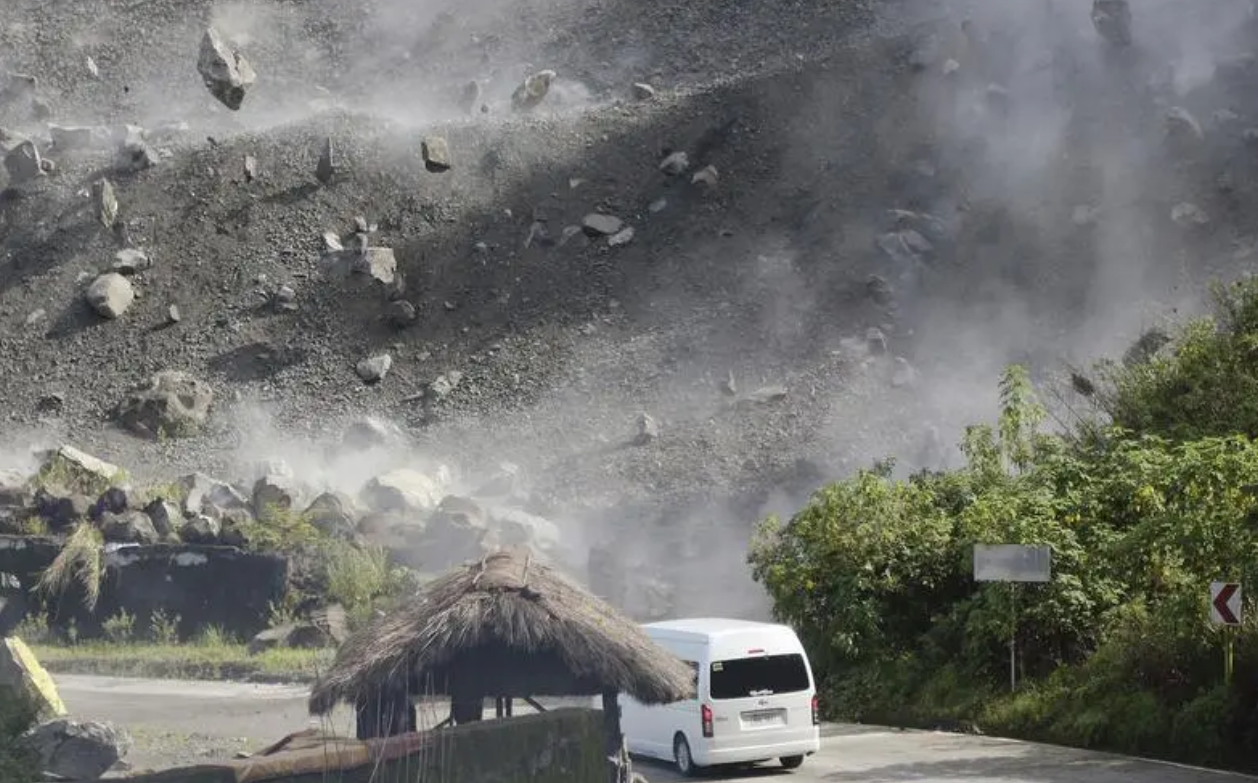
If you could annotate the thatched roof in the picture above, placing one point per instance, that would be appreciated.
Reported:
(507, 625)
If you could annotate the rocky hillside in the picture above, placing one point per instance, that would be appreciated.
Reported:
(724, 252)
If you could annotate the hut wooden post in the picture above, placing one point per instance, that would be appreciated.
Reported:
(618, 770)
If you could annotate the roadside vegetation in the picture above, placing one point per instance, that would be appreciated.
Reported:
(1146, 494)
(17, 761)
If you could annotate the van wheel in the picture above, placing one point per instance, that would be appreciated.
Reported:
(791, 762)
(681, 756)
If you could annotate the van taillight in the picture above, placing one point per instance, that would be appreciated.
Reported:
(705, 715)
(816, 711)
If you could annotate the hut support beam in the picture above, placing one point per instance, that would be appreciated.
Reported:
(619, 769)
(529, 700)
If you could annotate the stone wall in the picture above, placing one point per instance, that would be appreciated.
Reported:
(203, 585)
(560, 746)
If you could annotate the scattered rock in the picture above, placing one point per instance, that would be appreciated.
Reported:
(105, 201)
(532, 90)
(78, 468)
(879, 290)
(136, 156)
(400, 314)
(78, 750)
(370, 432)
(332, 514)
(249, 168)
(276, 491)
(227, 74)
(130, 261)
(201, 529)
(436, 154)
(23, 163)
(622, 237)
(173, 315)
(675, 163)
(171, 404)
(1112, 19)
(648, 430)
(134, 527)
(166, 517)
(643, 91)
(374, 368)
(444, 385)
(110, 295)
(597, 224)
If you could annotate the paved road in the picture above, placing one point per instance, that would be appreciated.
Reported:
(180, 722)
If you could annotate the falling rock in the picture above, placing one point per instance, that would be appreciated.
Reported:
(643, 91)
(275, 492)
(129, 261)
(444, 385)
(171, 403)
(729, 386)
(596, 224)
(23, 163)
(373, 369)
(876, 341)
(173, 315)
(675, 163)
(370, 432)
(76, 137)
(403, 490)
(1084, 215)
(532, 90)
(201, 529)
(105, 201)
(648, 430)
(1189, 215)
(1182, 126)
(436, 154)
(879, 290)
(469, 96)
(249, 168)
(380, 264)
(1112, 20)
(227, 75)
(332, 514)
(110, 294)
(207, 495)
(136, 156)
(903, 374)
(764, 396)
(327, 164)
(705, 176)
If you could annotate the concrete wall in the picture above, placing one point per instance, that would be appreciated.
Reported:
(204, 585)
(560, 746)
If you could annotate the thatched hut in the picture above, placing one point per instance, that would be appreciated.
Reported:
(506, 627)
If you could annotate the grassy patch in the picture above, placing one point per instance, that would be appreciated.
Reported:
(205, 660)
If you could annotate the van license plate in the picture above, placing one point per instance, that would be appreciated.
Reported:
(764, 718)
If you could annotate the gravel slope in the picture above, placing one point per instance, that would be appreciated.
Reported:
(817, 124)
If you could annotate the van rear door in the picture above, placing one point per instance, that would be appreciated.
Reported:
(762, 692)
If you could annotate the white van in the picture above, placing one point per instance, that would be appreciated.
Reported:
(756, 698)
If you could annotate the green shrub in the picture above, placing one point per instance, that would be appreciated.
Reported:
(17, 715)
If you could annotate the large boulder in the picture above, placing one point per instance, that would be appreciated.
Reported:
(71, 469)
(22, 676)
(78, 750)
(332, 514)
(403, 490)
(227, 75)
(170, 404)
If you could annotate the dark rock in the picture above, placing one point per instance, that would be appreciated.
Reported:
(166, 517)
(332, 515)
(78, 750)
(132, 527)
(200, 529)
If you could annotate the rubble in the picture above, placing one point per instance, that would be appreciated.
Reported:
(225, 72)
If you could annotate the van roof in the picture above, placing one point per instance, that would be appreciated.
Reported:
(716, 626)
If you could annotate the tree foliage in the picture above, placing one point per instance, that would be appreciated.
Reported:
(1117, 650)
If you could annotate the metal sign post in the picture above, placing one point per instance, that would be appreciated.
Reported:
(1012, 564)
(1225, 610)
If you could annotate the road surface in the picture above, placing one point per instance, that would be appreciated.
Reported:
(175, 722)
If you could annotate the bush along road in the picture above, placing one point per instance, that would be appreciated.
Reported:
(1145, 493)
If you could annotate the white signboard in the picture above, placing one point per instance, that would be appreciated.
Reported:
(1225, 603)
(1012, 563)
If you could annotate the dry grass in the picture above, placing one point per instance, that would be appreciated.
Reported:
(82, 560)
(507, 621)
(204, 661)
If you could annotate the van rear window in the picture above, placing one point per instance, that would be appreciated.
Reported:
(767, 675)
